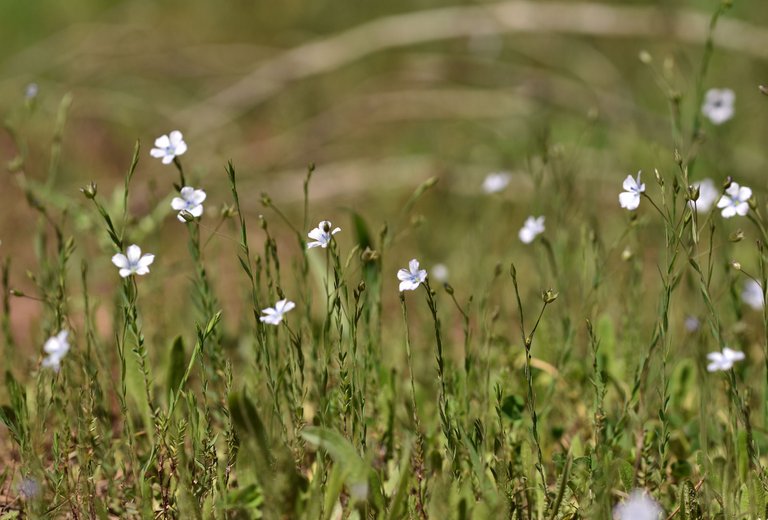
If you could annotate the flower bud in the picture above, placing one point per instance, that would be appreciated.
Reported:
(361, 287)
(227, 211)
(89, 190)
(645, 57)
(736, 236)
(448, 288)
(549, 295)
(369, 255)
(187, 216)
(659, 178)
(678, 157)
(727, 183)
(265, 200)
(693, 193)
(736, 265)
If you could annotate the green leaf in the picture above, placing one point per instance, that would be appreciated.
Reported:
(362, 482)
(176, 365)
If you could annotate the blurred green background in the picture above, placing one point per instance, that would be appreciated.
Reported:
(381, 96)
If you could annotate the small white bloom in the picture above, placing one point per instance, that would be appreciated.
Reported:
(496, 181)
(440, 273)
(29, 488)
(708, 195)
(56, 347)
(735, 201)
(322, 235)
(533, 227)
(133, 262)
(692, 323)
(274, 315)
(411, 278)
(718, 105)
(31, 91)
(638, 506)
(190, 200)
(167, 147)
(752, 295)
(723, 360)
(630, 197)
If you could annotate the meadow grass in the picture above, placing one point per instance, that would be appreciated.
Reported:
(309, 378)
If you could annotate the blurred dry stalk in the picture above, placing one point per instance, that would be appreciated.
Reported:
(404, 30)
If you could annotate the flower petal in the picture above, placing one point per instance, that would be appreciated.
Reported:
(120, 260)
(133, 253)
(145, 261)
(162, 142)
(629, 183)
(175, 137)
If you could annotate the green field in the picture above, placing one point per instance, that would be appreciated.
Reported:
(608, 361)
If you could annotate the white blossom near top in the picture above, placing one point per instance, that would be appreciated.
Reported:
(274, 315)
(638, 506)
(708, 195)
(190, 200)
(440, 272)
(133, 262)
(735, 201)
(56, 347)
(723, 360)
(533, 227)
(322, 234)
(752, 295)
(496, 181)
(630, 197)
(718, 105)
(411, 278)
(167, 147)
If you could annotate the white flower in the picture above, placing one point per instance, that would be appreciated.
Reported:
(322, 235)
(191, 201)
(531, 229)
(411, 278)
(133, 262)
(496, 181)
(167, 147)
(752, 295)
(56, 347)
(723, 360)
(274, 315)
(692, 323)
(31, 91)
(735, 201)
(638, 506)
(718, 105)
(440, 272)
(708, 195)
(29, 488)
(630, 197)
